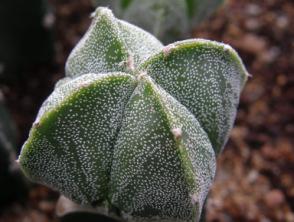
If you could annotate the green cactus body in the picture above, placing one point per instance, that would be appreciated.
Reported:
(169, 20)
(134, 128)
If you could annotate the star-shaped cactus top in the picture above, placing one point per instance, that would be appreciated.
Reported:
(135, 126)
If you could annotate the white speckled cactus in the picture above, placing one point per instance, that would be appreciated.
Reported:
(135, 127)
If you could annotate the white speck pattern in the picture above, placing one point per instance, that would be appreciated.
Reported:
(139, 140)
(70, 149)
(139, 42)
(146, 154)
(205, 77)
(109, 43)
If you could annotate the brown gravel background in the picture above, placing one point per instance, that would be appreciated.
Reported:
(255, 177)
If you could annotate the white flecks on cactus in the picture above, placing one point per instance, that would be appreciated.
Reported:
(100, 50)
(205, 77)
(107, 44)
(71, 148)
(146, 154)
(139, 42)
(141, 142)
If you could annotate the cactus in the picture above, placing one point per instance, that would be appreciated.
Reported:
(134, 128)
(11, 180)
(168, 20)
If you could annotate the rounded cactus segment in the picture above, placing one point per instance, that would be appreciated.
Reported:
(70, 144)
(108, 44)
(101, 50)
(147, 153)
(205, 76)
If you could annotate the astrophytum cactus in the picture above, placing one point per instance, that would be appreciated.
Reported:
(135, 127)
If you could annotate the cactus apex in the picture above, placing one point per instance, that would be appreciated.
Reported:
(141, 75)
(100, 11)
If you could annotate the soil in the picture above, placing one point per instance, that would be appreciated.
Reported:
(255, 176)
